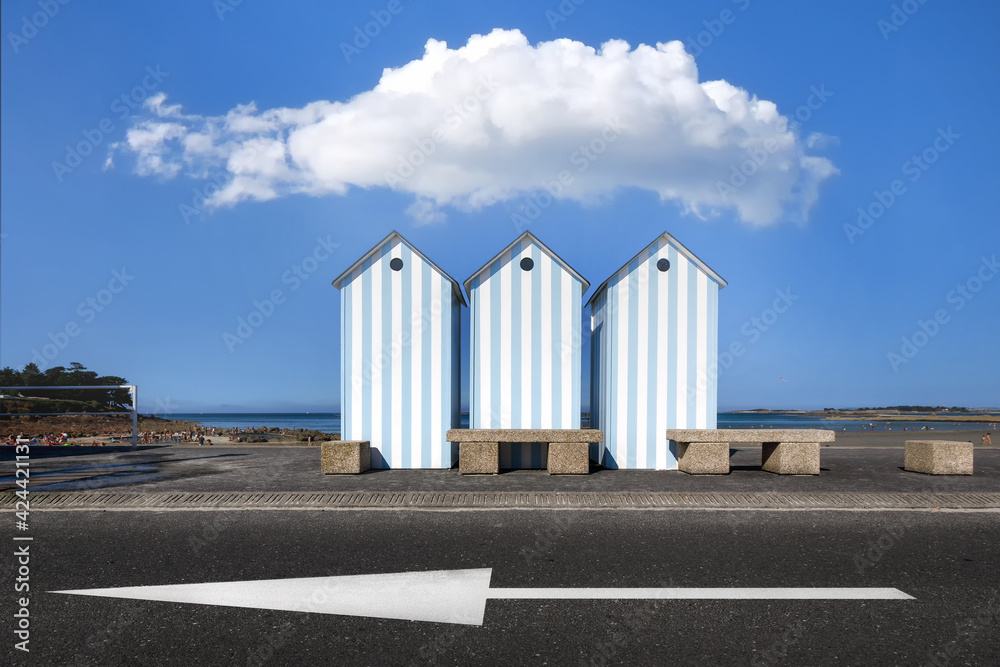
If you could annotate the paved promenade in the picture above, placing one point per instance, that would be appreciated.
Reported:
(855, 473)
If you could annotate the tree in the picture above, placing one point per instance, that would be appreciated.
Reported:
(77, 374)
(10, 377)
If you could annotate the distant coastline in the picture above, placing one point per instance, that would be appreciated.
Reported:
(886, 415)
(293, 428)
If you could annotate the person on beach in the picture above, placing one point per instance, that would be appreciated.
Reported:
(988, 440)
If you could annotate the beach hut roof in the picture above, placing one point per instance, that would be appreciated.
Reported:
(680, 248)
(394, 234)
(531, 237)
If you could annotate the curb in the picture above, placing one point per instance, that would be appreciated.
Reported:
(436, 500)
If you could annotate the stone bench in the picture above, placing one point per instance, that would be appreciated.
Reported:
(345, 457)
(938, 457)
(785, 451)
(479, 448)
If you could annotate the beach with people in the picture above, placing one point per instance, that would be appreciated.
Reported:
(105, 430)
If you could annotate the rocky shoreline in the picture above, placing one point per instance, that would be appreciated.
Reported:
(98, 429)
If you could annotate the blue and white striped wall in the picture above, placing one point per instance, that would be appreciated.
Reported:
(400, 358)
(525, 346)
(654, 352)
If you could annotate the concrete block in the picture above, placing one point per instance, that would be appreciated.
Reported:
(569, 458)
(703, 458)
(938, 457)
(790, 458)
(479, 458)
(339, 457)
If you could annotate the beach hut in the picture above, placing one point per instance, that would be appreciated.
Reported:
(525, 329)
(400, 318)
(654, 351)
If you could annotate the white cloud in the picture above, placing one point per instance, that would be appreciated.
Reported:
(424, 212)
(819, 140)
(497, 119)
(155, 103)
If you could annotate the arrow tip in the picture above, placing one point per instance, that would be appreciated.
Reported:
(442, 596)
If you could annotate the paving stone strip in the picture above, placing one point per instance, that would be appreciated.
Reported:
(434, 500)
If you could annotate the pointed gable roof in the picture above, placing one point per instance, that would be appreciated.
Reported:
(680, 248)
(534, 239)
(396, 235)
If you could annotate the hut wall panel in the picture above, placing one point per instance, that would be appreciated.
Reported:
(654, 338)
(399, 338)
(525, 349)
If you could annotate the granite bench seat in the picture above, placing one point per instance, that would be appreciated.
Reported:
(785, 451)
(479, 448)
(938, 457)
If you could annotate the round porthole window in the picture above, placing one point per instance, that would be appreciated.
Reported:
(396, 264)
(663, 264)
(527, 264)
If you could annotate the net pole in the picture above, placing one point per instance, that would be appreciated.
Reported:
(133, 390)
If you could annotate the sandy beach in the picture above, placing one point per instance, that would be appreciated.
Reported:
(883, 439)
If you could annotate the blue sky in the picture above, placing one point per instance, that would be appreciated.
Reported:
(126, 253)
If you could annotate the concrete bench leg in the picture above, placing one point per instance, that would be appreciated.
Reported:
(345, 457)
(479, 458)
(569, 458)
(703, 458)
(938, 457)
(790, 458)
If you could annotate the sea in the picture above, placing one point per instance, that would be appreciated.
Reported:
(329, 422)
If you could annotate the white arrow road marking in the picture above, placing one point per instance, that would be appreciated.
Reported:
(442, 596)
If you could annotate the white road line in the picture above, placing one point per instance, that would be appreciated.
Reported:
(698, 594)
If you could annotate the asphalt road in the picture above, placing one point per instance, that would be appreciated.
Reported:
(948, 561)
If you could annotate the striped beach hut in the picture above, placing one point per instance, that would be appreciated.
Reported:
(525, 309)
(400, 319)
(654, 351)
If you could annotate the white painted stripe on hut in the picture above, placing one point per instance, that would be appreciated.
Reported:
(641, 276)
(545, 344)
(418, 445)
(437, 315)
(396, 362)
(525, 336)
(701, 363)
(679, 265)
